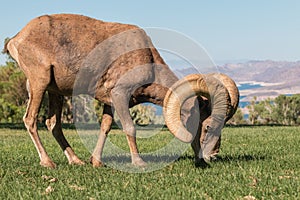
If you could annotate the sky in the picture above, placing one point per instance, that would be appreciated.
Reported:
(228, 30)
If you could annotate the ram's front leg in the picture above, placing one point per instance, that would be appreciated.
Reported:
(196, 146)
(120, 100)
(107, 118)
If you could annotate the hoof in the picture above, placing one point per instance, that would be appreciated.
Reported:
(139, 162)
(48, 163)
(200, 163)
(76, 161)
(214, 158)
(96, 163)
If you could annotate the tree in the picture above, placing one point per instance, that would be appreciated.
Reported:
(283, 110)
(253, 114)
(237, 118)
(287, 109)
(143, 114)
(13, 94)
(265, 111)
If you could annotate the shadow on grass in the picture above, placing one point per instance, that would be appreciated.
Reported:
(153, 162)
(71, 126)
(146, 158)
(163, 160)
(40, 126)
(115, 126)
(245, 157)
(227, 158)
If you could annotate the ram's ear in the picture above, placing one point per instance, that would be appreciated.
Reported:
(204, 107)
(203, 102)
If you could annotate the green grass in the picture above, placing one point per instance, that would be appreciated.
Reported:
(263, 162)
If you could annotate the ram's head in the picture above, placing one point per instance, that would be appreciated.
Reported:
(222, 96)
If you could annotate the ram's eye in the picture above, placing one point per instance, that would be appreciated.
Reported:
(207, 127)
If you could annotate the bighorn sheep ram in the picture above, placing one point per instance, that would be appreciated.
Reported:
(61, 52)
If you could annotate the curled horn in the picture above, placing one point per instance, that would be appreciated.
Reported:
(232, 91)
(194, 85)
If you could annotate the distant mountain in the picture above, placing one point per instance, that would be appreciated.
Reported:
(263, 71)
(273, 77)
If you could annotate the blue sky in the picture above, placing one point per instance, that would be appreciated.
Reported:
(229, 30)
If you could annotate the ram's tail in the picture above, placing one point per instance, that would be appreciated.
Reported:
(5, 50)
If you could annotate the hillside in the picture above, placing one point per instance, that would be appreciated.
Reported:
(262, 78)
(263, 71)
(275, 78)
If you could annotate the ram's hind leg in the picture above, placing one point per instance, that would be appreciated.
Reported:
(54, 125)
(36, 93)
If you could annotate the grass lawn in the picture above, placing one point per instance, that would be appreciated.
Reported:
(261, 162)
